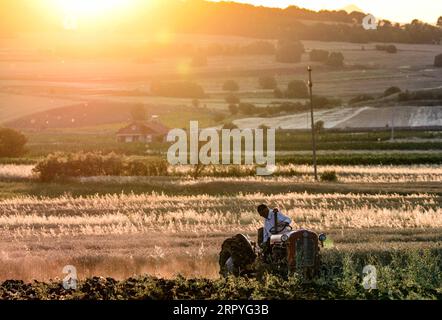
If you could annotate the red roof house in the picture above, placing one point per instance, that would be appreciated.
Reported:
(143, 131)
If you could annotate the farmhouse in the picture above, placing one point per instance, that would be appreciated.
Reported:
(143, 131)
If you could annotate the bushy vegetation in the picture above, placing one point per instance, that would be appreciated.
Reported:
(387, 48)
(419, 95)
(329, 176)
(12, 143)
(60, 166)
(319, 55)
(289, 51)
(409, 275)
(364, 159)
(335, 59)
(297, 89)
(247, 108)
(267, 82)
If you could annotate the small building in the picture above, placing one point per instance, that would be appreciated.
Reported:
(143, 131)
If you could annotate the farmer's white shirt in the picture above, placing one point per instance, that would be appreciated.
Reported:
(269, 223)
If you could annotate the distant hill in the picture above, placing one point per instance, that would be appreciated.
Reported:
(227, 18)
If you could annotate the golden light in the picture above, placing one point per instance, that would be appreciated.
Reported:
(89, 12)
(89, 8)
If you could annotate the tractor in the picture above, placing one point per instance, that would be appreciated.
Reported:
(286, 252)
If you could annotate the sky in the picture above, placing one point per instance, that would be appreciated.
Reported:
(394, 10)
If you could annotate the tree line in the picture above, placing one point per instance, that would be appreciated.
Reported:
(228, 18)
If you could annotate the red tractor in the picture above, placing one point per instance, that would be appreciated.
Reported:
(286, 252)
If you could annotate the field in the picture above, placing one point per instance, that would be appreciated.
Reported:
(178, 229)
(45, 85)
(159, 237)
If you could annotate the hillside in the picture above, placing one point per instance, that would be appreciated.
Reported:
(226, 18)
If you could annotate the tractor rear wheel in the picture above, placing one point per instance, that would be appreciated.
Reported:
(236, 254)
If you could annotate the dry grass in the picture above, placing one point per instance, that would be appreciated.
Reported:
(122, 235)
(130, 214)
(288, 173)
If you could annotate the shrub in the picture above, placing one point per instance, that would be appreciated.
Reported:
(230, 85)
(297, 89)
(12, 143)
(387, 48)
(438, 61)
(319, 55)
(267, 82)
(289, 51)
(335, 59)
(329, 176)
(60, 166)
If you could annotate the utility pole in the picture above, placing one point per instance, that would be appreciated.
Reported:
(310, 85)
(392, 124)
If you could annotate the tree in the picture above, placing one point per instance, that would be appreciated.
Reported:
(319, 55)
(230, 85)
(289, 51)
(439, 21)
(138, 113)
(12, 143)
(438, 61)
(267, 82)
(336, 59)
(297, 89)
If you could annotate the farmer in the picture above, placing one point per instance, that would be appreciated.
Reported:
(272, 218)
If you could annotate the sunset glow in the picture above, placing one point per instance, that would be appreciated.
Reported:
(81, 8)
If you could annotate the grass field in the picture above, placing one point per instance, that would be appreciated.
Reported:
(112, 235)
(384, 209)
